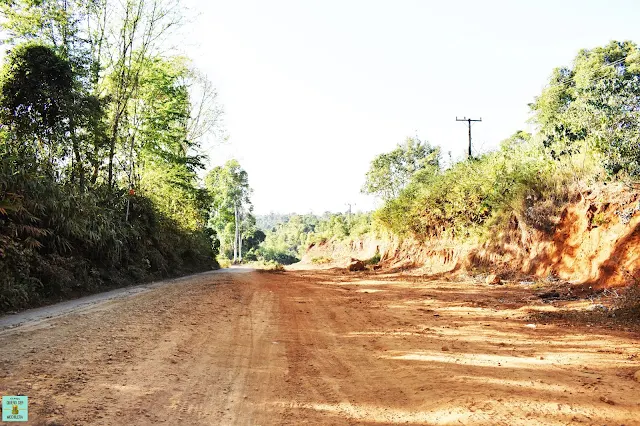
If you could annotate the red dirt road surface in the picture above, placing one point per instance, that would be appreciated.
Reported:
(318, 347)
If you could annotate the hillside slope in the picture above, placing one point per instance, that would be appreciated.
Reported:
(594, 241)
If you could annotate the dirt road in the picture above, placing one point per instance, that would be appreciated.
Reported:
(317, 347)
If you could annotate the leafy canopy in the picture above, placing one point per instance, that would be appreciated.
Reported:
(596, 101)
(391, 172)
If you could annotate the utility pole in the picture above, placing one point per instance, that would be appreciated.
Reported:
(468, 120)
(349, 215)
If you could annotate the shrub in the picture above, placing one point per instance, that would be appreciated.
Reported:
(374, 260)
(470, 197)
(280, 256)
(224, 262)
(57, 241)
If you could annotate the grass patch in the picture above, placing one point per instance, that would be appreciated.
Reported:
(224, 262)
(374, 260)
(267, 266)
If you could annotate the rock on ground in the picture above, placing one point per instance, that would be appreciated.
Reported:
(356, 265)
(494, 279)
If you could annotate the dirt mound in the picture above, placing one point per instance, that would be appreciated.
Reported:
(356, 265)
(333, 253)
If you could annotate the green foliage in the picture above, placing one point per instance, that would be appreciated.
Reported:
(467, 198)
(224, 262)
(268, 266)
(270, 221)
(230, 214)
(251, 242)
(56, 241)
(166, 162)
(588, 119)
(36, 89)
(595, 102)
(391, 172)
(279, 254)
(321, 260)
(99, 151)
(287, 241)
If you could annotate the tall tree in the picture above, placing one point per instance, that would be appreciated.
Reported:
(36, 102)
(231, 206)
(391, 172)
(66, 26)
(142, 26)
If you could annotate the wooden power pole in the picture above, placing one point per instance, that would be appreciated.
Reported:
(469, 120)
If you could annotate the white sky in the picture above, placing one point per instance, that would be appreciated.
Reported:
(314, 90)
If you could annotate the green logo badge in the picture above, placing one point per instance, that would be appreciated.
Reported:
(15, 408)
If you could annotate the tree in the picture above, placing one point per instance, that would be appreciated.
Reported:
(36, 98)
(595, 103)
(391, 172)
(231, 208)
(138, 34)
(90, 106)
(75, 30)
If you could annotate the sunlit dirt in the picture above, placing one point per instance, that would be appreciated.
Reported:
(321, 347)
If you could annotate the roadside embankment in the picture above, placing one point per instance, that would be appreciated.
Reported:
(594, 240)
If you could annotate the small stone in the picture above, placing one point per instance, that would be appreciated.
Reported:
(494, 279)
(356, 265)
(636, 376)
(607, 400)
(445, 349)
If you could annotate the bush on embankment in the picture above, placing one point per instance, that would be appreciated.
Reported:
(472, 197)
(587, 126)
(57, 242)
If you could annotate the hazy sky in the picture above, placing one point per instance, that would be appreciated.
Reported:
(314, 90)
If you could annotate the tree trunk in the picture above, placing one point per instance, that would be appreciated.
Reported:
(235, 236)
(112, 149)
(78, 169)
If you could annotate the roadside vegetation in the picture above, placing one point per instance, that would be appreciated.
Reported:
(587, 136)
(101, 135)
(231, 215)
(588, 120)
(287, 237)
(588, 132)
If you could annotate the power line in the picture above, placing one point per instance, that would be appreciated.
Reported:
(568, 79)
(469, 121)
